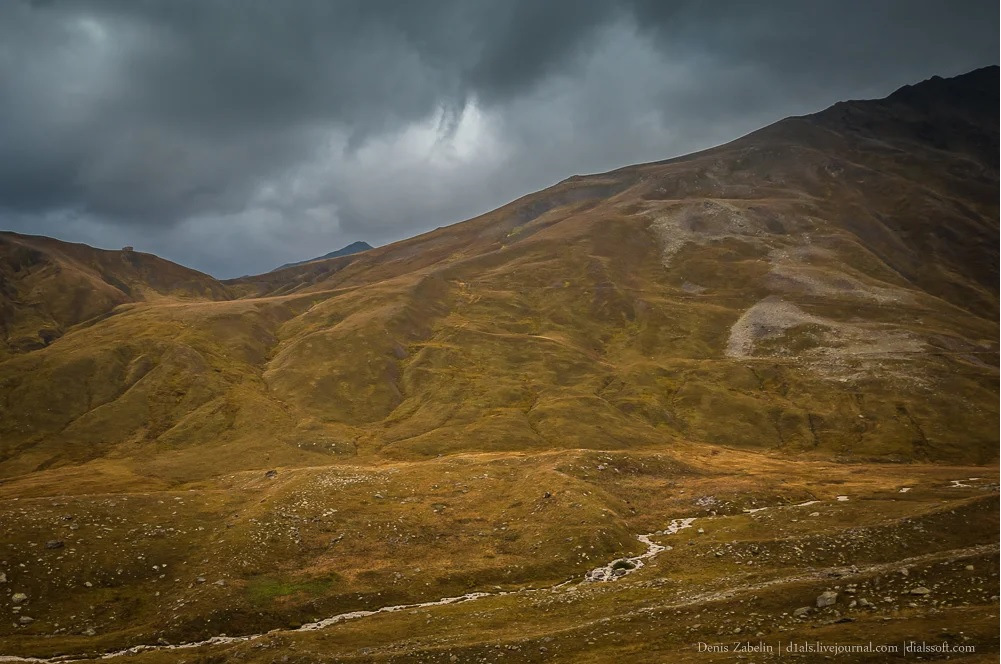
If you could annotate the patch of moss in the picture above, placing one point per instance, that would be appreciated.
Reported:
(268, 588)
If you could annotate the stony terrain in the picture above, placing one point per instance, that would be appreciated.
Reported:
(747, 395)
(753, 555)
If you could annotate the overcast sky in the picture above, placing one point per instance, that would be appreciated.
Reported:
(233, 136)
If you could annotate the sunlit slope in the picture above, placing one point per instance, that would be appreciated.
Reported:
(825, 286)
(801, 288)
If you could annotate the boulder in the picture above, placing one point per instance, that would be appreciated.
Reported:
(826, 598)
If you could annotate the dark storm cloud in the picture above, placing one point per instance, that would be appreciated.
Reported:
(237, 135)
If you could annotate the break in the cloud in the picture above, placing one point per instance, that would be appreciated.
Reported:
(236, 135)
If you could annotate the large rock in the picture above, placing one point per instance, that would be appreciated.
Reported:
(826, 598)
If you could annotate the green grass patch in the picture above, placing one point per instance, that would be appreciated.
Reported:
(267, 588)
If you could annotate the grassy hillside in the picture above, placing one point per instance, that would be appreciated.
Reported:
(802, 289)
(48, 286)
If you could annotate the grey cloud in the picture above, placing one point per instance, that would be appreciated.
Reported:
(238, 135)
(152, 111)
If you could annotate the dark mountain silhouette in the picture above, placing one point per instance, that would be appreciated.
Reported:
(353, 248)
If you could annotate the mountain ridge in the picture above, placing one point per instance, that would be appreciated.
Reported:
(787, 247)
(38, 273)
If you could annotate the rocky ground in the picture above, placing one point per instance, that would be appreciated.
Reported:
(572, 557)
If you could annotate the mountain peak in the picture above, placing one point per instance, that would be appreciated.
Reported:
(983, 81)
(347, 250)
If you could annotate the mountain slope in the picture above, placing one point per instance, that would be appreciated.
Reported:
(47, 286)
(826, 285)
(730, 296)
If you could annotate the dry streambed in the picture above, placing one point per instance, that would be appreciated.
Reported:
(610, 572)
(614, 570)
